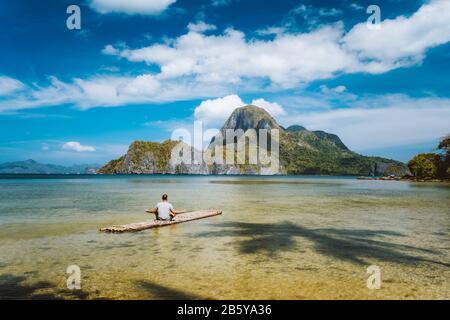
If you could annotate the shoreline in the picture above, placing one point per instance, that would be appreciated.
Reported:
(7, 176)
(406, 179)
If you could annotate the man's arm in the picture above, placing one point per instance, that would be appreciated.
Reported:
(173, 213)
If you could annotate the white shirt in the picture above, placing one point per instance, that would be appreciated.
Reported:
(164, 210)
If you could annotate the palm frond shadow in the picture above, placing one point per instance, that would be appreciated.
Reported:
(352, 245)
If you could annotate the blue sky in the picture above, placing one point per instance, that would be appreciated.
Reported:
(137, 70)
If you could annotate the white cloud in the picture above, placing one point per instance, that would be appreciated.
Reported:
(329, 12)
(111, 91)
(106, 91)
(9, 85)
(338, 89)
(77, 147)
(292, 59)
(144, 7)
(143, 85)
(110, 50)
(271, 31)
(363, 123)
(219, 3)
(56, 93)
(312, 15)
(200, 66)
(355, 6)
(287, 60)
(381, 121)
(402, 41)
(215, 112)
(272, 107)
(201, 27)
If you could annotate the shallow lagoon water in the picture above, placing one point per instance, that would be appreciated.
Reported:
(279, 238)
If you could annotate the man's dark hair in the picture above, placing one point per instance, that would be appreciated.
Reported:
(164, 197)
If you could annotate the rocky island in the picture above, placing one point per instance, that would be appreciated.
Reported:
(301, 151)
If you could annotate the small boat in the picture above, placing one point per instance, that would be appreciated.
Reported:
(179, 218)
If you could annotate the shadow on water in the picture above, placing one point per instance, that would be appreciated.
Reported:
(351, 245)
(13, 288)
(163, 293)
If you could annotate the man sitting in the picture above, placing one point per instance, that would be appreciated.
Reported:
(164, 210)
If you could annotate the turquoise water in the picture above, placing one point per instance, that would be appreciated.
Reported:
(279, 238)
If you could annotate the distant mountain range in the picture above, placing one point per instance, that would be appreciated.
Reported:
(301, 152)
(33, 167)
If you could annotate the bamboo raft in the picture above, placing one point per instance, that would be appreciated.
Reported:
(179, 218)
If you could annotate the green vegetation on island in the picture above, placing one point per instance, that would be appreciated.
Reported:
(432, 165)
(142, 157)
(301, 152)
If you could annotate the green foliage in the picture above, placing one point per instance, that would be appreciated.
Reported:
(113, 167)
(142, 157)
(425, 165)
(395, 169)
(156, 154)
(301, 152)
(444, 145)
(307, 152)
(432, 165)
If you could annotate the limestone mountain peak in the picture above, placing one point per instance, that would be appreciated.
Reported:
(250, 117)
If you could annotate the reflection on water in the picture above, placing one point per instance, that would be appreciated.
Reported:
(279, 238)
(269, 182)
